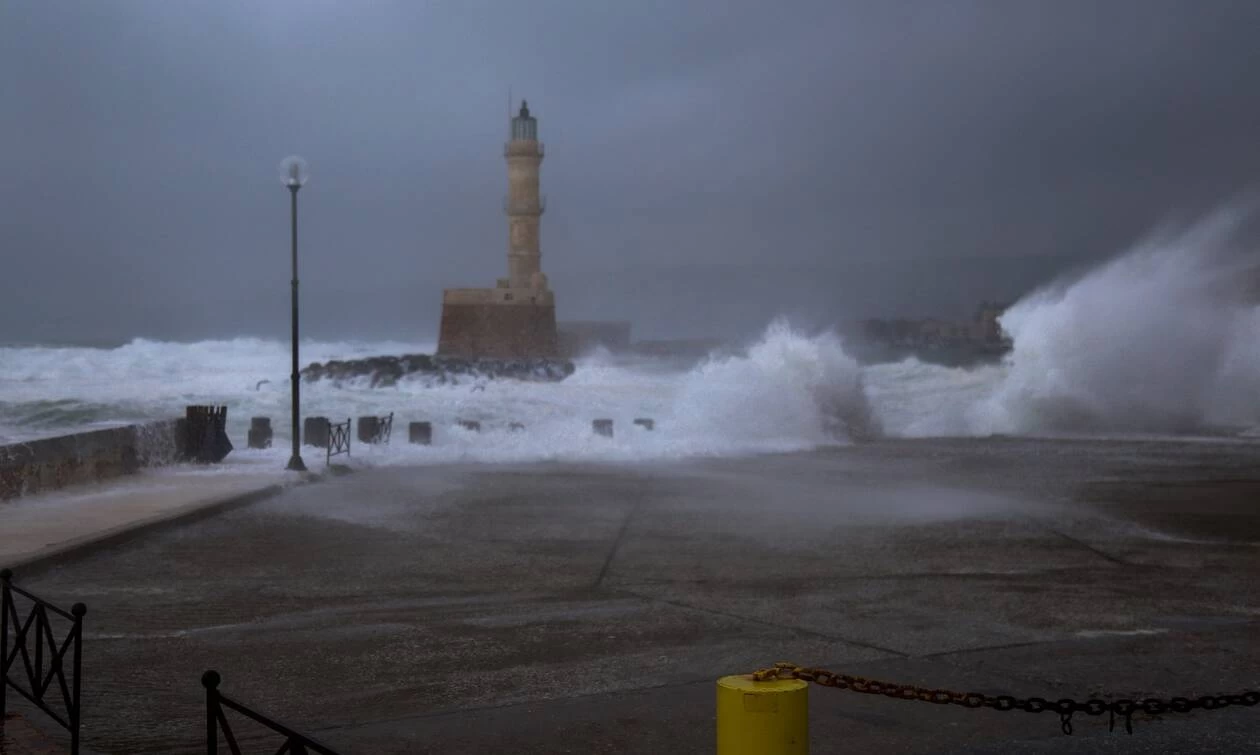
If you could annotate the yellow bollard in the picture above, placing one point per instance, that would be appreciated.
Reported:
(762, 718)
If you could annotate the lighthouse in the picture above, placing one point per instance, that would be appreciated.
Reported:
(517, 318)
(524, 203)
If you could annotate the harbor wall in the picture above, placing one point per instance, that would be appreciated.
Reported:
(39, 466)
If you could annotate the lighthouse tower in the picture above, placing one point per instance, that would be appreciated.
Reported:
(517, 318)
(524, 203)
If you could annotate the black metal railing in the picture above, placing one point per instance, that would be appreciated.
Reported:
(217, 723)
(42, 655)
(384, 429)
(338, 440)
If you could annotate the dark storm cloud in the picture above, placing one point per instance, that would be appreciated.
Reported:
(709, 164)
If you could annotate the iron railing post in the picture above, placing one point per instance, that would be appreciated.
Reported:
(6, 598)
(210, 680)
(41, 620)
(76, 712)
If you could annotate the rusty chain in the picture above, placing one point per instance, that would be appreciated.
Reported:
(1066, 707)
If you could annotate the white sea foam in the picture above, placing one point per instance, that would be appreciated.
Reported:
(788, 391)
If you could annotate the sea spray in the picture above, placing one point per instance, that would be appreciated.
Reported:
(1161, 339)
(790, 390)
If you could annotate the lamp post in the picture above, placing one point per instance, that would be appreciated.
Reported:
(293, 174)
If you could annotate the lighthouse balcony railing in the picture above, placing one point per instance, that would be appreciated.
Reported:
(525, 207)
(526, 147)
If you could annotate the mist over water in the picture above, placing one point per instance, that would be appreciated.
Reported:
(1163, 339)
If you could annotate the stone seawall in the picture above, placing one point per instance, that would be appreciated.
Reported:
(53, 463)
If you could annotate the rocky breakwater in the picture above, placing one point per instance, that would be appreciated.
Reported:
(385, 371)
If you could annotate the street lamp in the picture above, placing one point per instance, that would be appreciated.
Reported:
(293, 174)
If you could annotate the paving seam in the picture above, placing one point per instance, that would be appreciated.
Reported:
(889, 577)
(771, 624)
(1092, 549)
(621, 535)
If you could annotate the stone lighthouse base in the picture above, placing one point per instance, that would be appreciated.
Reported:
(498, 323)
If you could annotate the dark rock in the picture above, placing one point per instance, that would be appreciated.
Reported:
(385, 371)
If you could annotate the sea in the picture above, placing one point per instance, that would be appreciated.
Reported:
(1163, 340)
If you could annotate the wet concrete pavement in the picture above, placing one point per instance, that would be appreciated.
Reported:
(556, 608)
(41, 527)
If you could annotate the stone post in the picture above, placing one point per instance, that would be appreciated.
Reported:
(420, 433)
(315, 432)
(369, 429)
(260, 433)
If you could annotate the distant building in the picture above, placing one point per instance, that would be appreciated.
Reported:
(694, 348)
(576, 338)
(942, 341)
(517, 318)
(986, 321)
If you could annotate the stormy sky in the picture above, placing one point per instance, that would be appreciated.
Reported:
(709, 164)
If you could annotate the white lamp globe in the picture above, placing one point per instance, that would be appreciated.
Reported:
(293, 172)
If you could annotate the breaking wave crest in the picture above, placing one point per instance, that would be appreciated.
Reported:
(1162, 339)
(788, 388)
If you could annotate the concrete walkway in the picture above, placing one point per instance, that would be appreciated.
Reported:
(42, 527)
(19, 737)
(553, 608)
